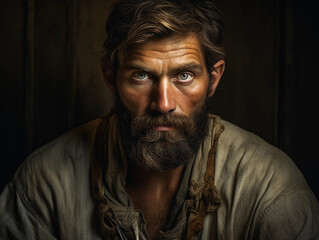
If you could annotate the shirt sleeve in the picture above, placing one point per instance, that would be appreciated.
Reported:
(292, 216)
(18, 218)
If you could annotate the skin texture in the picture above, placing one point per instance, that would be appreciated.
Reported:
(166, 75)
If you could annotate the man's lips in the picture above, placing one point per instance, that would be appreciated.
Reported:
(163, 128)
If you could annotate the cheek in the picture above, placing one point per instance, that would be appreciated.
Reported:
(193, 98)
(134, 100)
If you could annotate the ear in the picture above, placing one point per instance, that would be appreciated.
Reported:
(108, 73)
(216, 75)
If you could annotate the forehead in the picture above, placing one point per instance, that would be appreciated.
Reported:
(175, 47)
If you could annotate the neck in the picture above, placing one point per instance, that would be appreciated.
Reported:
(151, 180)
(153, 192)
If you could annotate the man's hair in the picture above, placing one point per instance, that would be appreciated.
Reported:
(132, 23)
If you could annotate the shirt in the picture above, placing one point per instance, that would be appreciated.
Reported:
(262, 194)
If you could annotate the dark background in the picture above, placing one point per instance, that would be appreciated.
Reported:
(51, 80)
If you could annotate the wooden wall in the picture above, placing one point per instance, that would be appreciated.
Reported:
(51, 80)
(271, 80)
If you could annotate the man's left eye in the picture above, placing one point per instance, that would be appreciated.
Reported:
(185, 77)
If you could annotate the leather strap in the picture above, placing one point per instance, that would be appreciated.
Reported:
(98, 158)
(210, 200)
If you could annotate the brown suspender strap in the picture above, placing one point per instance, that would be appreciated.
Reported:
(98, 158)
(210, 200)
(98, 155)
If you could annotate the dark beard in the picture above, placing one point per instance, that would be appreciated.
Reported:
(162, 150)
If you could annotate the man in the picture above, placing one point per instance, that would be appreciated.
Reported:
(159, 166)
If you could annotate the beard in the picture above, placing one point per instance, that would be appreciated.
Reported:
(161, 150)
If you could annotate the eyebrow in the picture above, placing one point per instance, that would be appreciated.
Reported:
(192, 67)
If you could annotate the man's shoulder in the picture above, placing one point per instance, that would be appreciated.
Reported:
(255, 166)
(59, 159)
(53, 181)
(257, 180)
(55, 176)
(236, 144)
(241, 144)
(71, 143)
(253, 170)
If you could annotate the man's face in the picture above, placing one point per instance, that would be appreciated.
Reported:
(167, 75)
(162, 91)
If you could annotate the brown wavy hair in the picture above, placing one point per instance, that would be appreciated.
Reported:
(135, 22)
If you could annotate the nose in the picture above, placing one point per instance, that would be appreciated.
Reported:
(163, 99)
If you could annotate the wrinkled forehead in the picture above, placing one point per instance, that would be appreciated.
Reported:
(172, 47)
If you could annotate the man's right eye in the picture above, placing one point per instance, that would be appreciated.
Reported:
(141, 76)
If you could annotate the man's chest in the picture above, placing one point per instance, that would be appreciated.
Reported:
(155, 212)
(155, 216)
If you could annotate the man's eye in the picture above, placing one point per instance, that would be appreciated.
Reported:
(141, 76)
(185, 77)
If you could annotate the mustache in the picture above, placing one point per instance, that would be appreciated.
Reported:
(181, 122)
